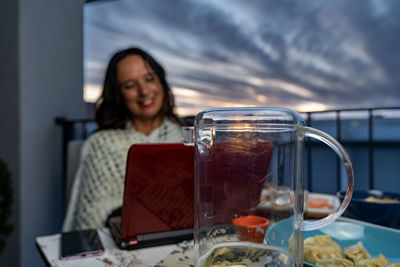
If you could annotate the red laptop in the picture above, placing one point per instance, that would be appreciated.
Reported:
(158, 202)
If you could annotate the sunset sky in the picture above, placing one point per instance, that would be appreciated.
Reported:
(307, 55)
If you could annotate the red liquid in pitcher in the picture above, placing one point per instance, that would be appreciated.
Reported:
(231, 177)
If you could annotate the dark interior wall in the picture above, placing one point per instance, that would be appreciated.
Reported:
(41, 77)
(9, 116)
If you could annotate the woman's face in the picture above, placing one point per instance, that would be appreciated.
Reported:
(140, 87)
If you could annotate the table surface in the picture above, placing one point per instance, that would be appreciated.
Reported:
(176, 255)
(160, 256)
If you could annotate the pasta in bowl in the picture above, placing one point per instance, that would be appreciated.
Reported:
(345, 233)
(322, 251)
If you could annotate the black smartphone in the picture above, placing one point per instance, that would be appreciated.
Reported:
(79, 244)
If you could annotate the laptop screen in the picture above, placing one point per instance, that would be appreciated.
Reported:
(159, 189)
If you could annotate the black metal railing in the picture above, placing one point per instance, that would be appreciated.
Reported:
(371, 143)
(72, 130)
(78, 129)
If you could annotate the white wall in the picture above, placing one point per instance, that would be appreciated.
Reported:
(41, 77)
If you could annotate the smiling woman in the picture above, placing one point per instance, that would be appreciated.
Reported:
(142, 92)
(135, 90)
(136, 106)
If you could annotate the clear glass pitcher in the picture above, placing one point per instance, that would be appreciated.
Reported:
(249, 196)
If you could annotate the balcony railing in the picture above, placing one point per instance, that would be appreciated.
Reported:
(363, 132)
(376, 128)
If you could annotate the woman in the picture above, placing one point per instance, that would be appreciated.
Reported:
(136, 106)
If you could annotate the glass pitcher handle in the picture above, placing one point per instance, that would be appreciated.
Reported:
(342, 154)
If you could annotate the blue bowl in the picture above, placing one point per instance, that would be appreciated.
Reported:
(346, 232)
(382, 213)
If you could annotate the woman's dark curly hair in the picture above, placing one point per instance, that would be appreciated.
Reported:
(112, 112)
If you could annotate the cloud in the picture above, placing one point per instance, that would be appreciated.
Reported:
(307, 53)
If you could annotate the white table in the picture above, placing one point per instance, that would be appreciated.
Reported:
(177, 255)
(49, 247)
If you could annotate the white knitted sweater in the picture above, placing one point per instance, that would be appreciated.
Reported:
(99, 183)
